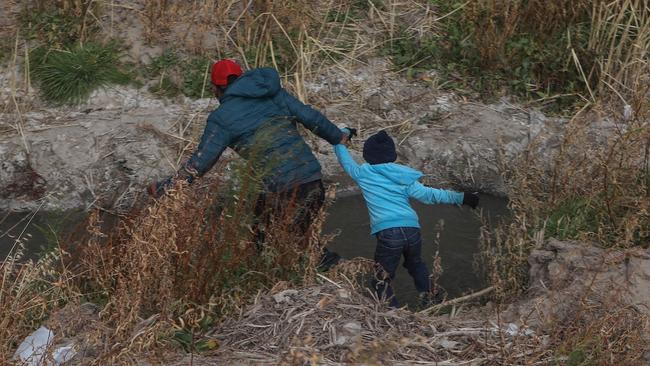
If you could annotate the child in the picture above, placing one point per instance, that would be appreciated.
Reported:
(387, 188)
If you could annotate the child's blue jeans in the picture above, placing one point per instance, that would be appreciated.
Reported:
(391, 245)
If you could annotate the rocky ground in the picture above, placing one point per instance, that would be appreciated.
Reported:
(106, 150)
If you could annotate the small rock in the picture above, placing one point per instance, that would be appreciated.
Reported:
(352, 328)
(284, 296)
(343, 293)
(340, 340)
(447, 344)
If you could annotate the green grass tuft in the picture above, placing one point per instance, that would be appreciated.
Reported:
(6, 48)
(196, 84)
(70, 76)
(176, 76)
(571, 219)
(496, 48)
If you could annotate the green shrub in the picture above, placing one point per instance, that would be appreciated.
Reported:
(176, 76)
(505, 47)
(50, 27)
(572, 219)
(5, 49)
(196, 78)
(166, 61)
(60, 24)
(407, 51)
(70, 76)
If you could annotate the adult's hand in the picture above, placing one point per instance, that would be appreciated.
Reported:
(157, 189)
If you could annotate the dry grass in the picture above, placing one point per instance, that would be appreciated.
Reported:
(181, 264)
(189, 257)
(333, 323)
(178, 265)
(620, 36)
(29, 292)
(297, 37)
(595, 186)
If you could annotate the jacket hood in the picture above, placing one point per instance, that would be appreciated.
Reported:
(256, 83)
(397, 173)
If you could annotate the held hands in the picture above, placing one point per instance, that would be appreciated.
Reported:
(348, 134)
(352, 132)
(470, 199)
(345, 140)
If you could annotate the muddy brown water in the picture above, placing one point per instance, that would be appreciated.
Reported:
(458, 242)
(37, 231)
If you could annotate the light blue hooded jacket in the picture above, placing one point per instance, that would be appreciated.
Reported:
(387, 189)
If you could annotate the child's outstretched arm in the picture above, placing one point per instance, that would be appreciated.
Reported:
(430, 195)
(346, 160)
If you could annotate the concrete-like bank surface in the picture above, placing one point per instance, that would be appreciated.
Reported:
(105, 151)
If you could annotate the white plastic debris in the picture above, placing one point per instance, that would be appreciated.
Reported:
(340, 339)
(63, 354)
(348, 332)
(627, 112)
(513, 330)
(33, 351)
(352, 328)
(343, 293)
(447, 344)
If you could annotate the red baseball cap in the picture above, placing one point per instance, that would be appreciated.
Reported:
(222, 69)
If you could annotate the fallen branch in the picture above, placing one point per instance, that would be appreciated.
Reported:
(457, 300)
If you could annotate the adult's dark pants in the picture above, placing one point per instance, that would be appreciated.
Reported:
(297, 208)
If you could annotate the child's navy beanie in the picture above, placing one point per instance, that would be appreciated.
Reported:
(379, 149)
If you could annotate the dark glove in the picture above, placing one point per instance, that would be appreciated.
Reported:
(353, 132)
(157, 189)
(470, 199)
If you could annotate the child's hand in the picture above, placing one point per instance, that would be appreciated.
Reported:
(470, 199)
(345, 140)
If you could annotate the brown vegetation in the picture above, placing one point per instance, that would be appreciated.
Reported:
(595, 186)
(178, 268)
(187, 260)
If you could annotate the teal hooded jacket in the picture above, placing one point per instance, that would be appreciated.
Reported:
(258, 119)
(387, 189)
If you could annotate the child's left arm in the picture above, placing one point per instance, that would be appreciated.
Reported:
(430, 195)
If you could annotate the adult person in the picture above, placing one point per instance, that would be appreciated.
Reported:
(258, 119)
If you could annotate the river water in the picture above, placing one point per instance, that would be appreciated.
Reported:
(457, 244)
(37, 231)
(458, 229)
